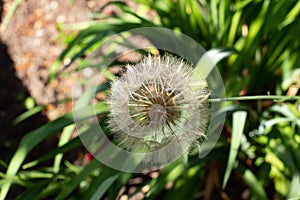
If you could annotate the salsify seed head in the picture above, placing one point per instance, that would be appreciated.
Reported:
(156, 102)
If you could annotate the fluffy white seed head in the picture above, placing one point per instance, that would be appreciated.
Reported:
(155, 103)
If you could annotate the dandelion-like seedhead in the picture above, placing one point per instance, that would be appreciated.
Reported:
(159, 108)
(156, 103)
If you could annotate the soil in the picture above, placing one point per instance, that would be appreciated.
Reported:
(33, 41)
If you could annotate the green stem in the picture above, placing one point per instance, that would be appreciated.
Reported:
(258, 97)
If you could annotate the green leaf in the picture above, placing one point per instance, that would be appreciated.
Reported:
(114, 190)
(291, 16)
(294, 187)
(3, 163)
(10, 14)
(234, 26)
(209, 60)
(64, 138)
(104, 187)
(284, 154)
(169, 173)
(28, 114)
(101, 183)
(95, 34)
(239, 119)
(256, 26)
(254, 185)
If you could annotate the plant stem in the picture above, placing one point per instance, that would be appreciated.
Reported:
(258, 97)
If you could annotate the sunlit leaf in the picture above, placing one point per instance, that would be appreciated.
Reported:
(238, 123)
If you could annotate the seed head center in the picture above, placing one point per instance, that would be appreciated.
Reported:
(153, 104)
(158, 114)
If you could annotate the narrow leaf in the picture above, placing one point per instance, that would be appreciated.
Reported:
(209, 60)
(254, 185)
(239, 119)
(64, 138)
(28, 114)
(104, 187)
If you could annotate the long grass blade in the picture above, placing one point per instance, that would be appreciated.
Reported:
(238, 123)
